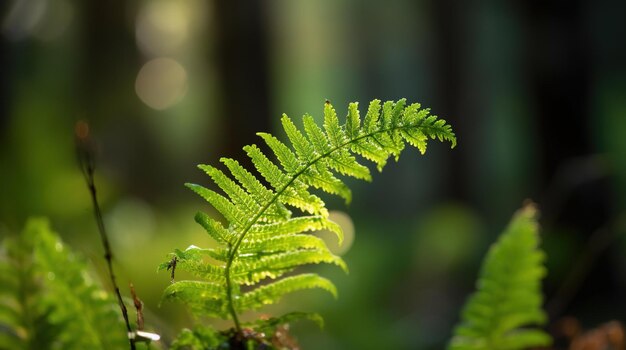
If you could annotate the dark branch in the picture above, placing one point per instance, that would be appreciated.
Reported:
(85, 154)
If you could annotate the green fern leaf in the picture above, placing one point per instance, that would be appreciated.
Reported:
(281, 244)
(285, 156)
(251, 271)
(262, 241)
(271, 293)
(316, 136)
(301, 145)
(48, 299)
(259, 233)
(259, 192)
(353, 121)
(231, 212)
(371, 123)
(334, 132)
(204, 298)
(215, 229)
(345, 164)
(509, 293)
(239, 197)
(192, 260)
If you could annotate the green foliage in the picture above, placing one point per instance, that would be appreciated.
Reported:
(200, 338)
(508, 302)
(263, 239)
(49, 301)
(265, 334)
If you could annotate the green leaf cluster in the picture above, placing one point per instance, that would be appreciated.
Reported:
(265, 333)
(501, 314)
(49, 301)
(269, 217)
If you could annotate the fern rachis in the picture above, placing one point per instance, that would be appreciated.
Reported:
(258, 217)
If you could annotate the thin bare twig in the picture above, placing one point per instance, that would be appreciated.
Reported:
(85, 154)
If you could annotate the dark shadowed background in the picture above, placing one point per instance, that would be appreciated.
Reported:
(535, 90)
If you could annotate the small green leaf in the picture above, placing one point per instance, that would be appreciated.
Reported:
(334, 132)
(214, 229)
(353, 121)
(271, 293)
(251, 271)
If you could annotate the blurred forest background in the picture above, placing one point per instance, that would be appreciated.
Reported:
(535, 90)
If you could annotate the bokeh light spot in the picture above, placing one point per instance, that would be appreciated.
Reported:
(131, 224)
(46, 20)
(161, 83)
(22, 18)
(162, 27)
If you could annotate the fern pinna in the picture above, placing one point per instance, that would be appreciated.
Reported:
(508, 301)
(263, 239)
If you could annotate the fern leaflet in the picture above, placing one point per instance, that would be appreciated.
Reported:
(263, 240)
(508, 300)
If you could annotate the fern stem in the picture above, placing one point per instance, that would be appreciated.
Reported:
(87, 166)
(235, 246)
(229, 295)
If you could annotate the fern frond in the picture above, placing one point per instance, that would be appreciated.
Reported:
(48, 299)
(508, 302)
(262, 240)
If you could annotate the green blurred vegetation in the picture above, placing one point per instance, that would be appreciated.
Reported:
(49, 299)
(506, 309)
(535, 90)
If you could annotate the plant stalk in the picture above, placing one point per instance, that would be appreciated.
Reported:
(86, 162)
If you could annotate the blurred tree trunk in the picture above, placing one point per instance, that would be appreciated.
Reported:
(110, 61)
(243, 67)
(559, 81)
(578, 196)
(450, 35)
(558, 63)
(107, 96)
